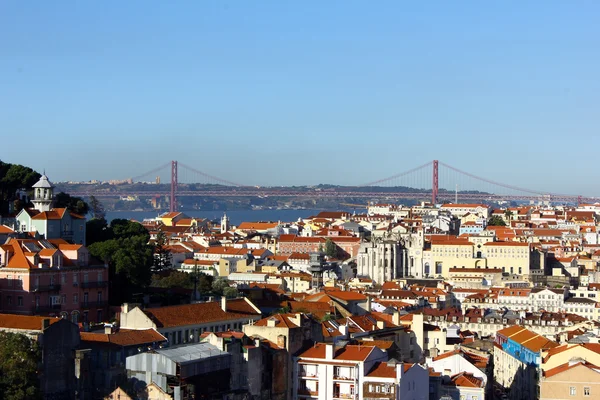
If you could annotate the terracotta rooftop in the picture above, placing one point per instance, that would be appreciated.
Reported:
(24, 322)
(190, 314)
(385, 370)
(125, 337)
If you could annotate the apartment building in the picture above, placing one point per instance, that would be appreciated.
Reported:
(325, 371)
(517, 359)
(575, 380)
(54, 278)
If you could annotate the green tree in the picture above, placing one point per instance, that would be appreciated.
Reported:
(175, 279)
(12, 178)
(97, 230)
(96, 208)
(219, 285)
(508, 214)
(230, 292)
(129, 257)
(162, 254)
(496, 221)
(204, 283)
(71, 203)
(19, 359)
(330, 248)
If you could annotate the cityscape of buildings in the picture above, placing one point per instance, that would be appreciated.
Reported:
(432, 301)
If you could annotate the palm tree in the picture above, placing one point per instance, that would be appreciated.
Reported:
(508, 214)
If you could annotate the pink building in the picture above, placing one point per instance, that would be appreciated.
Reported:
(54, 278)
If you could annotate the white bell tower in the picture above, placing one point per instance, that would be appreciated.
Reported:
(43, 194)
(224, 224)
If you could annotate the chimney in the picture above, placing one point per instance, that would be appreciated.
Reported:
(396, 317)
(399, 371)
(380, 324)
(125, 308)
(368, 303)
(224, 303)
(271, 322)
(329, 351)
(108, 329)
(45, 324)
(344, 330)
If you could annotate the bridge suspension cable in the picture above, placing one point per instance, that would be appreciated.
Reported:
(428, 164)
(214, 178)
(153, 171)
(506, 186)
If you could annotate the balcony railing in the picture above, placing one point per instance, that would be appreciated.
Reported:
(46, 288)
(46, 309)
(306, 392)
(343, 378)
(96, 284)
(94, 304)
(305, 374)
(67, 233)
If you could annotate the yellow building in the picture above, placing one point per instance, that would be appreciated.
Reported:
(577, 380)
(510, 257)
(568, 352)
(451, 253)
(171, 218)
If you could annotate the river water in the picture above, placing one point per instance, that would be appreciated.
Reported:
(235, 216)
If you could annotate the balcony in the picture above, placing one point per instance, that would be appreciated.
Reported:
(307, 375)
(46, 309)
(93, 304)
(66, 233)
(337, 395)
(343, 378)
(307, 393)
(46, 288)
(93, 285)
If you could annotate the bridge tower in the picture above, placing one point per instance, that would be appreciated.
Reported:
(435, 183)
(173, 199)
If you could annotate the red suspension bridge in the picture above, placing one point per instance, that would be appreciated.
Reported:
(434, 181)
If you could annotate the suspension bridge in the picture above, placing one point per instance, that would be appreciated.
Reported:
(433, 181)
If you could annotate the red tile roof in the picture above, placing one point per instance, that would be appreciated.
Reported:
(24, 322)
(125, 337)
(190, 314)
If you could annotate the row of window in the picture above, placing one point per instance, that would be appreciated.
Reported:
(54, 300)
(18, 282)
(191, 335)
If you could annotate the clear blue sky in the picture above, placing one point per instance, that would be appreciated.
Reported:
(281, 92)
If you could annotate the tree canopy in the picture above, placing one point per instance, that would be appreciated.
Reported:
(330, 248)
(71, 203)
(96, 208)
(19, 358)
(162, 254)
(12, 178)
(496, 220)
(124, 246)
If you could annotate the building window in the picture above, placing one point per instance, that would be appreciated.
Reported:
(572, 391)
(75, 299)
(20, 301)
(75, 279)
(586, 390)
(9, 300)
